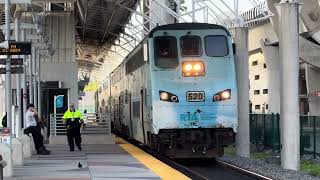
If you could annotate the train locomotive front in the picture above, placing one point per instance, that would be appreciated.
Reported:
(176, 91)
(193, 90)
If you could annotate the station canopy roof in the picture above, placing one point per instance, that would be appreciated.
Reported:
(98, 24)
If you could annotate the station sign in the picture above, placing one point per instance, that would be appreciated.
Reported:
(5, 136)
(14, 70)
(14, 61)
(17, 48)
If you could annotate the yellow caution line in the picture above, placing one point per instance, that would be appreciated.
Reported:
(159, 168)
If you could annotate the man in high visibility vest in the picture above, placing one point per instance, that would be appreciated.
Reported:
(73, 121)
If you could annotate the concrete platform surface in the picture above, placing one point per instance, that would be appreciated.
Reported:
(100, 162)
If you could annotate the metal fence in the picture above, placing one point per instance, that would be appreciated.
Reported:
(94, 124)
(265, 132)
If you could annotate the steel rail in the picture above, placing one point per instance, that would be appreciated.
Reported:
(242, 170)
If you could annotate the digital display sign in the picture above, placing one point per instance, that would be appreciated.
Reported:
(14, 61)
(14, 70)
(17, 48)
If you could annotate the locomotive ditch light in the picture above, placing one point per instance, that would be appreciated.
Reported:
(225, 95)
(164, 96)
(222, 96)
(193, 68)
(169, 97)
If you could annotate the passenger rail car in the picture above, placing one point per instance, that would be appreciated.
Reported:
(176, 91)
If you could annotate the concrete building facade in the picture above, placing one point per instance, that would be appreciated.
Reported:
(56, 53)
(264, 63)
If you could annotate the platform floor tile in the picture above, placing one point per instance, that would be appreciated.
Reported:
(100, 162)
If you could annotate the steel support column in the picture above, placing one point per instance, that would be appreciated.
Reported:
(8, 68)
(5, 150)
(289, 93)
(18, 80)
(34, 74)
(193, 11)
(24, 79)
(242, 70)
(31, 75)
(39, 85)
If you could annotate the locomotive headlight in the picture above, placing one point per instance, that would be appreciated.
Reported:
(187, 67)
(164, 96)
(197, 67)
(193, 68)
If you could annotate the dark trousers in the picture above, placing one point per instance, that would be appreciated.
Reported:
(37, 137)
(74, 135)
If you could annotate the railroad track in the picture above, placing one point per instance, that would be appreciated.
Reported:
(243, 171)
(209, 169)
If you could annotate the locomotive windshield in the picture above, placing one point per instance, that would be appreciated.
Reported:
(166, 55)
(216, 46)
(191, 46)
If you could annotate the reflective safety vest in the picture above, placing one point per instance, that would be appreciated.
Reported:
(72, 119)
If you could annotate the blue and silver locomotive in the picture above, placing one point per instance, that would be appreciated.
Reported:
(176, 91)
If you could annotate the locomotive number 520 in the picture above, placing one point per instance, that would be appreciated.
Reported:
(195, 96)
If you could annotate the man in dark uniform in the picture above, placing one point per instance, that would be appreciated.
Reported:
(73, 121)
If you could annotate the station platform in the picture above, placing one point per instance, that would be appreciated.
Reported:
(99, 162)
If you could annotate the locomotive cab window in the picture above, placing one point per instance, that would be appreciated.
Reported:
(216, 46)
(190, 46)
(166, 55)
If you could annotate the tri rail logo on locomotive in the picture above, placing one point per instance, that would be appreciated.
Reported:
(176, 92)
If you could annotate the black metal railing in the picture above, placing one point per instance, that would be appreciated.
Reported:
(265, 133)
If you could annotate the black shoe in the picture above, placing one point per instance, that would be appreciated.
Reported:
(79, 147)
(43, 151)
(47, 150)
(71, 149)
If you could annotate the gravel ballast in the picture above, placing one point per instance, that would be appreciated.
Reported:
(273, 171)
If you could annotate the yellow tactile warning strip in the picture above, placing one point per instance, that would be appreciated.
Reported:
(159, 168)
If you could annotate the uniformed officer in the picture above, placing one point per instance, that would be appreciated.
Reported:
(73, 121)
